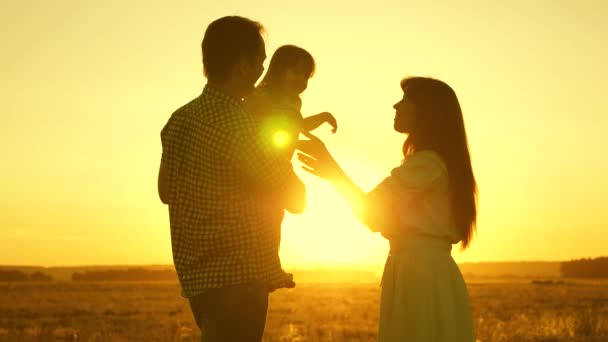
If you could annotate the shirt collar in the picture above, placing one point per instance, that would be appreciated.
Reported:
(218, 94)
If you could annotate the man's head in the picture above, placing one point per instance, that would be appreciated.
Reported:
(234, 53)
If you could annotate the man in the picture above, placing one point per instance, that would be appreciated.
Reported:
(217, 175)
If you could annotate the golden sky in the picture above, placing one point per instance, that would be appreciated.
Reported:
(88, 85)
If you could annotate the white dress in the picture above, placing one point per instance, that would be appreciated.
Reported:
(424, 297)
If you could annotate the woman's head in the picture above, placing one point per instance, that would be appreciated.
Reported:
(430, 114)
(289, 69)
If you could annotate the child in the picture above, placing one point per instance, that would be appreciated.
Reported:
(276, 101)
(276, 104)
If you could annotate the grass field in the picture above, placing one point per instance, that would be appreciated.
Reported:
(154, 311)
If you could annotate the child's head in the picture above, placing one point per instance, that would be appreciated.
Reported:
(289, 69)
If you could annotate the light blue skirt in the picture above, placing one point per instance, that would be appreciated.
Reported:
(424, 297)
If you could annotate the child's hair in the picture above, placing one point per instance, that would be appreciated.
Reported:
(288, 57)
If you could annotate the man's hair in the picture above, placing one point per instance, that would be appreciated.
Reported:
(228, 41)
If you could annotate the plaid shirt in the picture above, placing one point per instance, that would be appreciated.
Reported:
(220, 175)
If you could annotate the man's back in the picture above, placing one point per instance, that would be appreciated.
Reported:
(219, 173)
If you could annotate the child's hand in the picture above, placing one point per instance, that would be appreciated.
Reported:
(312, 122)
(330, 119)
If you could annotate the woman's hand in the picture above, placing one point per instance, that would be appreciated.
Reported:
(317, 159)
(319, 162)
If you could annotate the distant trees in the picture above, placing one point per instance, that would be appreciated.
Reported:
(585, 268)
(12, 275)
(15, 275)
(39, 276)
(132, 274)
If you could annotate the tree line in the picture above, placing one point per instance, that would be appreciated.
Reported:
(14, 275)
(585, 268)
(580, 268)
(131, 274)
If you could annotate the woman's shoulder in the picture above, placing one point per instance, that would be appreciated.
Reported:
(427, 159)
(420, 169)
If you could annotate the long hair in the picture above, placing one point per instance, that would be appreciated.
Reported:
(287, 57)
(439, 126)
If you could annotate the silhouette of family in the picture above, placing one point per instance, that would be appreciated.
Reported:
(227, 178)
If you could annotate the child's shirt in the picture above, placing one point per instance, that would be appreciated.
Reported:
(279, 117)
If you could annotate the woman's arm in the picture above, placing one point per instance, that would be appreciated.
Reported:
(375, 213)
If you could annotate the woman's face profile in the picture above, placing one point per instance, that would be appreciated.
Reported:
(404, 115)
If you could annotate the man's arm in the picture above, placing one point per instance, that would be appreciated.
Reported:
(163, 182)
(295, 196)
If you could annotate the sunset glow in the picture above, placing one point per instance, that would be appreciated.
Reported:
(87, 87)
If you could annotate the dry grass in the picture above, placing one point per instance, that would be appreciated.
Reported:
(154, 311)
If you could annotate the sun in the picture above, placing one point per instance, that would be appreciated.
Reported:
(328, 235)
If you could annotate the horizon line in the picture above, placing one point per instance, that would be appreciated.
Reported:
(350, 267)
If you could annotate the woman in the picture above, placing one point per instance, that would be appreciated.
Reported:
(426, 204)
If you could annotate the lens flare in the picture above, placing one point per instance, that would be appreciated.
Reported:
(280, 139)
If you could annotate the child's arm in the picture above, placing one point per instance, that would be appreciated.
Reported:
(312, 122)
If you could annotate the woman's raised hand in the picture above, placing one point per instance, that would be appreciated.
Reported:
(317, 159)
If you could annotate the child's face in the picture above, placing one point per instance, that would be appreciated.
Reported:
(295, 81)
